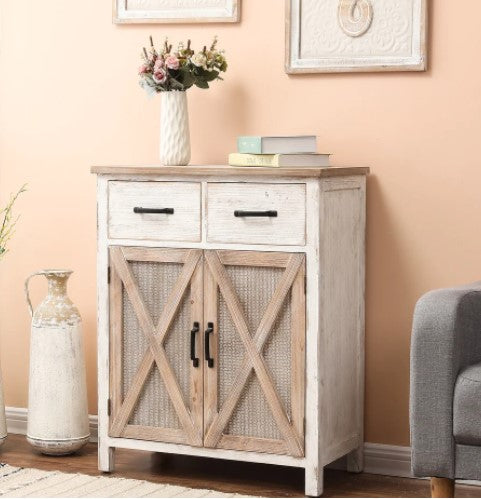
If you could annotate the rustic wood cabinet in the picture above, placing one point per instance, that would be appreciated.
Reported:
(231, 314)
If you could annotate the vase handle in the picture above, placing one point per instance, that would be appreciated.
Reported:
(27, 294)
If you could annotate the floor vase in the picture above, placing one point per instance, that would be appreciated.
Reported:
(57, 400)
(174, 129)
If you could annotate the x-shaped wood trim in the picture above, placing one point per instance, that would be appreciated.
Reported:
(155, 337)
(253, 358)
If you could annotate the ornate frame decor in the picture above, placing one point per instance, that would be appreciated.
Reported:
(338, 36)
(176, 11)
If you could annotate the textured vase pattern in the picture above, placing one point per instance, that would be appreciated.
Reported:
(174, 129)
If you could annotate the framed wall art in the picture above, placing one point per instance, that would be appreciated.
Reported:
(176, 11)
(333, 36)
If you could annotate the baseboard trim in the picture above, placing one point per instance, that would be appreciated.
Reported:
(392, 460)
(379, 459)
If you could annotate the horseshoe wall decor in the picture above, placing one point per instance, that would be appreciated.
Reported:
(355, 16)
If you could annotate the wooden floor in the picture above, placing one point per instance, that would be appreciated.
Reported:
(227, 476)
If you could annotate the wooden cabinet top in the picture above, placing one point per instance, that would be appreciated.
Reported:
(231, 171)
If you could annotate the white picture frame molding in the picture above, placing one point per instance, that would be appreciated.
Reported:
(144, 11)
(295, 62)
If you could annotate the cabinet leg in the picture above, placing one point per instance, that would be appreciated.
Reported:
(106, 458)
(442, 487)
(314, 485)
(355, 460)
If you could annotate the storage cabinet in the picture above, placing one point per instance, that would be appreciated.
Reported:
(231, 314)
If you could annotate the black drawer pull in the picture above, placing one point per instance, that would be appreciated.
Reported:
(165, 211)
(243, 213)
(193, 358)
(208, 358)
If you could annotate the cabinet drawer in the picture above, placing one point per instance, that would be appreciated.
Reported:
(154, 210)
(256, 213)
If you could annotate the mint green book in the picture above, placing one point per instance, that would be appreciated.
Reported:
(298, 144)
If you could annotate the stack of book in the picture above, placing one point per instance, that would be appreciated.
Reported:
(294, 151)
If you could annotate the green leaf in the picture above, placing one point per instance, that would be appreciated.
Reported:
(207, 75)
(176, 85)
(201, 83)
(182, 76)
(187, 78)
(212, 75)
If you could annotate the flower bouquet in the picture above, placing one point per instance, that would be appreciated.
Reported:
(172, 73)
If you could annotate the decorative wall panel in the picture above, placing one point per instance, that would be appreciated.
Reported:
(176, 11)
(356, 35)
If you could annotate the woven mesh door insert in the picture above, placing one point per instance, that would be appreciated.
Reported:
(155, 281)
(254, 287)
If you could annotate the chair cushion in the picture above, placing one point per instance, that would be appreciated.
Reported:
(467, 406)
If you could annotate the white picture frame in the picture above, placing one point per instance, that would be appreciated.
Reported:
(328, 36)
(176, 11)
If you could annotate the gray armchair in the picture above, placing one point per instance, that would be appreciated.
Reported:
(445, 402)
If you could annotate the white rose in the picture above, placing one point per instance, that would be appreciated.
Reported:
(199, 60)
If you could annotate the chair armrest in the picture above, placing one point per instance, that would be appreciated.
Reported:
(446, 337)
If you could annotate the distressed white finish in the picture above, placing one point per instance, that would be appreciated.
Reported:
(57, 394)
(174, 129)
(334, 213)
(355, 35)
(342, 290)
(314, 470)
(176, 11)
(288, 228)
(182, 225)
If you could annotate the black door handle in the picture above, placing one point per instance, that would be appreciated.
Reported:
(208, 358)
(165, 211)
(244, 213)
(193, 358)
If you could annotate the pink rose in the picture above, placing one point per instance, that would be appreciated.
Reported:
(159, 64)
(143, 69)
(160, 76)
(172, 62)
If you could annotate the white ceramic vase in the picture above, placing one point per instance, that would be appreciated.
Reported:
(174, 129)
(57, 394)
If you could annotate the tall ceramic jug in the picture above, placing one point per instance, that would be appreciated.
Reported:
(57, 395)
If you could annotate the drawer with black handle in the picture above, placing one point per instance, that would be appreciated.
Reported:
(161, 211)
(255, 213)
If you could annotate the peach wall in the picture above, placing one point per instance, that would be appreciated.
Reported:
(69, 98)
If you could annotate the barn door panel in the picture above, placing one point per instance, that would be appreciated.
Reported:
(156, 302)
(254, 389)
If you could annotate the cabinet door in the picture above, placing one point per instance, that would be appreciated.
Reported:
(155, 299)
(254, 386)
